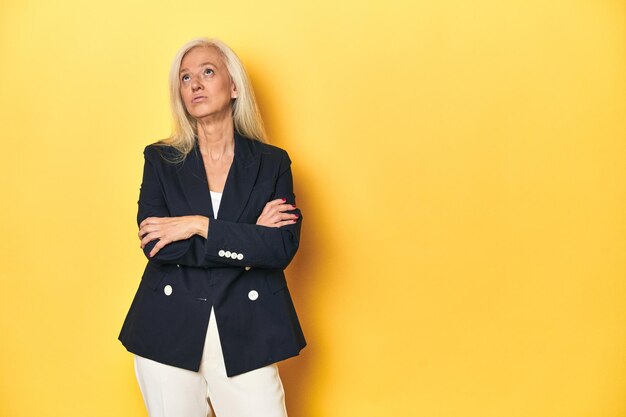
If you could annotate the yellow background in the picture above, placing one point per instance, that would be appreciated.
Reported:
(461, 167)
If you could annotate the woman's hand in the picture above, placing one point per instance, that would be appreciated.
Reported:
(273, 216)
(170, 229)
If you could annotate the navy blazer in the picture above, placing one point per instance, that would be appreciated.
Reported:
(238, 269)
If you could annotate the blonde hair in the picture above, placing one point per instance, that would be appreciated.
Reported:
(246, 115)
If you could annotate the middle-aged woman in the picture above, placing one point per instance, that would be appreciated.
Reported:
(213, 314)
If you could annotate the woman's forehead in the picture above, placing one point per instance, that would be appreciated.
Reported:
(200, 55)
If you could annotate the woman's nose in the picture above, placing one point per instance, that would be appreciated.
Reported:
(195, 84)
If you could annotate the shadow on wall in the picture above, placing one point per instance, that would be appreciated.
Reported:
(296, 373)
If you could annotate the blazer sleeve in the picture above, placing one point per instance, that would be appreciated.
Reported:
(260, 246)
(152, 203)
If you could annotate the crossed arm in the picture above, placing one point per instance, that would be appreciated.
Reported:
(197, 241)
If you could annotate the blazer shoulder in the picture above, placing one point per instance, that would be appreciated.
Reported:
(271, 150)
(159, 152)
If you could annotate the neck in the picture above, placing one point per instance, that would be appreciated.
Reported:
(215, 137)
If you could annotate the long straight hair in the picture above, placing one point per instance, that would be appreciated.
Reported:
(246, 115)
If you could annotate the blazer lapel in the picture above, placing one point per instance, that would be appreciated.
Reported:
(239, 182)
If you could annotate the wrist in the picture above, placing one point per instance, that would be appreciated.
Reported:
(201, 226)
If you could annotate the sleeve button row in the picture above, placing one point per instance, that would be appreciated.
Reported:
(228, 254)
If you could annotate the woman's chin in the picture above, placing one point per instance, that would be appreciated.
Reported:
(200, 114)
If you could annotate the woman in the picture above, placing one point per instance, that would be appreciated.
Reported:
(218, 223)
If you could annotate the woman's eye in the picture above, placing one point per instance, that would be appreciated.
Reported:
(185, 77)
(208, 71)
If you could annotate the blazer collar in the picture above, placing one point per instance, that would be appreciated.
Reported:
(239, 182)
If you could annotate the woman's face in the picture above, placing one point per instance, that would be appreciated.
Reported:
(205, 85)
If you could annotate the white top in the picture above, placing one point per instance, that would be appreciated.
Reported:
(216, 198)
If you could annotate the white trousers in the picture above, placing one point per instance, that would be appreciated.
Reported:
(169, 391)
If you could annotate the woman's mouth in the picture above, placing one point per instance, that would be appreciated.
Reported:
(199, 98)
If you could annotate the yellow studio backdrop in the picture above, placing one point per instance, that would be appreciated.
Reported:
(461, 167)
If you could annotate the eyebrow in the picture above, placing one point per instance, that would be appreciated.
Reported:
(203, 64)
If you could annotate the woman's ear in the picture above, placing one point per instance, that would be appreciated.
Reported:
(233, 92)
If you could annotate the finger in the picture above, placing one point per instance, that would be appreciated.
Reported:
(146, 229)
(149, 237)
(289, 216)
(272, 209)
(285, 222)
(284, 207)
(269, 220)
(284, 216)
(275, 212)
(278, 218)
(157, 247)
(149, 220)
(277, 202)
(272, 203)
